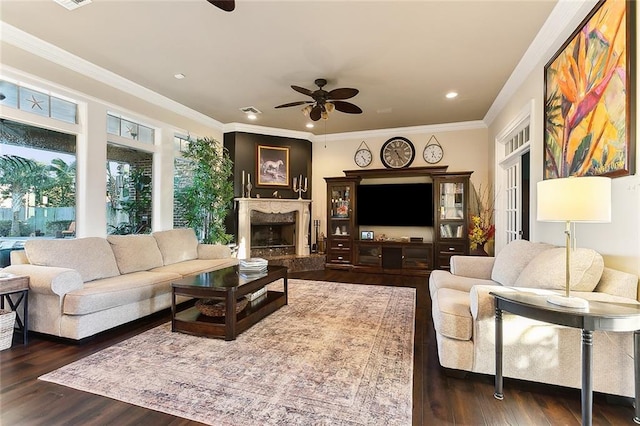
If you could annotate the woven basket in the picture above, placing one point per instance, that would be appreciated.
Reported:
(218, 308)
(7, 322)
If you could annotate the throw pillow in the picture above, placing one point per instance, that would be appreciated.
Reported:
(512, 259)
(548, 270)
(135, 252)
(177, 245)
(92, 257)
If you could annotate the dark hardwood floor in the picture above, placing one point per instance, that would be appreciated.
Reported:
(439, 397)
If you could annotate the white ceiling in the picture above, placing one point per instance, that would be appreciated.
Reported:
(403, 56)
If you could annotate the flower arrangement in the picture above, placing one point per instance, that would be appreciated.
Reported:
(481, 228)
(480, 231)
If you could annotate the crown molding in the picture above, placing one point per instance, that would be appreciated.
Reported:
(564, 18)
(52, 53)
(269, 131)
(413, 130)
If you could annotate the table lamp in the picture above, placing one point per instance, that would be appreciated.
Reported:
(573, 199)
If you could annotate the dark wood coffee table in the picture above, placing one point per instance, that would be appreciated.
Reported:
(228, 285)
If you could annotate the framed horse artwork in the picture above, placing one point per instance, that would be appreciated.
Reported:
(273, 166)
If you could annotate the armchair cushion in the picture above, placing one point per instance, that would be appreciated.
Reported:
(548, 270)
(513, 258)
(452, 316)
(472, 266)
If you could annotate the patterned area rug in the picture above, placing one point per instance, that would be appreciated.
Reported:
(338, 354)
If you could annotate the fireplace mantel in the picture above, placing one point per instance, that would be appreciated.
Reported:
(273, 205)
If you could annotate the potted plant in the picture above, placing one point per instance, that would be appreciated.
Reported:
(207, 198)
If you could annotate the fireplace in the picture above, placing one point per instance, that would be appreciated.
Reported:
(272, 234)
(272, 227)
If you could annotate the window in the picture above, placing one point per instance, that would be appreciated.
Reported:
(129, 195)
(37, 102)
(120, 126)
(37, 182)
(180, 143)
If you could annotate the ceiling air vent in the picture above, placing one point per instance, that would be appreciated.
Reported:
(72, 4)
(250, 110)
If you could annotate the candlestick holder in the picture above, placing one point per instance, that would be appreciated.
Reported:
(249, 186)
(297, 187)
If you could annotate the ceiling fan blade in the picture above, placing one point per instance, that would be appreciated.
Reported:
(344, 93)
(226, 5)
(316, 112)
(290, 104)
(347, 107)
(302, 90)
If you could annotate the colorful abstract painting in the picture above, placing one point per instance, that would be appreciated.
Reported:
(588, 94)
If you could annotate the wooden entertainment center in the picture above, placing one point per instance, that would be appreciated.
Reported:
(346, 250)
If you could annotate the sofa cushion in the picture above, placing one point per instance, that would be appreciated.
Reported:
(197, 266)
(92, 257)
(213, 251)
(117, 291)
(452, 314)
(135, 252)
(512, 259)
(177, 245)
(548, 270)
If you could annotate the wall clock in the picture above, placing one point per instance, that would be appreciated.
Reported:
(397, 152)
(433, 152)
(363, 155)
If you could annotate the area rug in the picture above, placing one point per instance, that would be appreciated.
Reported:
(337, 354)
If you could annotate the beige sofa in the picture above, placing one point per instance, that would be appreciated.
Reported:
(83, 286)
(464, 317)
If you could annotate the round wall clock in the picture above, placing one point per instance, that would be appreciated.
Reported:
(363, 155)
(397, 152)
(433, 152)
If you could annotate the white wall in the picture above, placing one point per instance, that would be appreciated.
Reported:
(618, 241)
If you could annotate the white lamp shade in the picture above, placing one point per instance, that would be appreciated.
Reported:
(575, 199)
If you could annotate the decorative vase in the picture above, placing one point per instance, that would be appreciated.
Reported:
(479, 251)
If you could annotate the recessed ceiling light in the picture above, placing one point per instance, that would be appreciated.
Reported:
(179, 76)
(309, 125)
(252, 116)
(451, 95)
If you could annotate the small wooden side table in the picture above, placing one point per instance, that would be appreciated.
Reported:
(18, 286)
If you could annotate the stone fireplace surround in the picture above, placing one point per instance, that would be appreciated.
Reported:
(273, 205)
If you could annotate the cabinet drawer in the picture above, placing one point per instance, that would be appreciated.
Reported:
(452, 247)
(336, 256)
(340, 245)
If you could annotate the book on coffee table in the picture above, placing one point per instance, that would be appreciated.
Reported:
(254, 264)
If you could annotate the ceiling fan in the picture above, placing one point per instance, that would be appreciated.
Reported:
(324, 102)
(226, 5)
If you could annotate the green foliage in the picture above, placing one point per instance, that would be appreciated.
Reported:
(207, 199)
(23, 227)
(57, 225)
(138, 206)
(61, 191)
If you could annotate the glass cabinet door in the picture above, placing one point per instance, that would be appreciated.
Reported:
(452, 210)
(341, 209)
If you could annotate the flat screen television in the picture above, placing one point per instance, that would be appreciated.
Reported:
(404, 204)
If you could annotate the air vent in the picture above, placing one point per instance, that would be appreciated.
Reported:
(250, 110)
(72, 4)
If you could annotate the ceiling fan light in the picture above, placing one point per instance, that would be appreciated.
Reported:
(324, 115)
(329, 107)
(307, 110)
